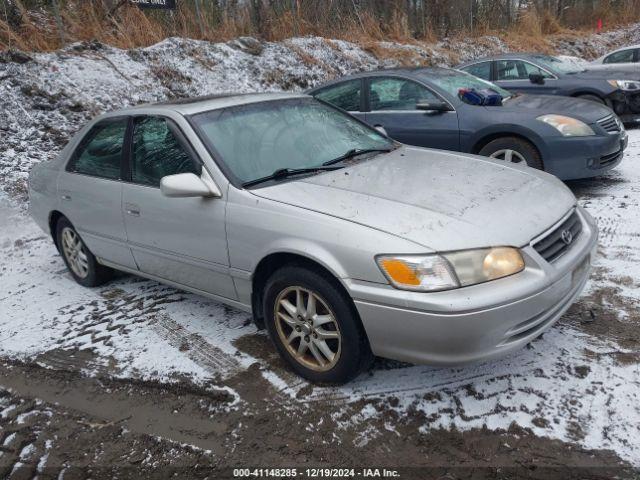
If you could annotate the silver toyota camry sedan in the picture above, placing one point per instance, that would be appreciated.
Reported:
(342, 242)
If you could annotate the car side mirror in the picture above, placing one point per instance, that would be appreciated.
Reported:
(187, 185)
(434, 106)
(381, 129)
(536, 78)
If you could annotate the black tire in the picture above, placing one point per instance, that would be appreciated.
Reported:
(524, 148)
(354, 352)
(96, 274)
(593, 98)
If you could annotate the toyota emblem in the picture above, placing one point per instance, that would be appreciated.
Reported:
(567, 237)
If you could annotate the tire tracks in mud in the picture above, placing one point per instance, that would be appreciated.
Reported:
(212, 359)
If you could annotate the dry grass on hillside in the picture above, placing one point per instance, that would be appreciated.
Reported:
(128, 27)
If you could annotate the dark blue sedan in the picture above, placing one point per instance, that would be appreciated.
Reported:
(616, 87)
(568, 137)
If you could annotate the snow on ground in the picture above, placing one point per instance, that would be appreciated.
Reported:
(566, 385)
(571, 384)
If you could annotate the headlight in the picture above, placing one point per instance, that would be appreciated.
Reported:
(626, 85)
(567, 126)
(428, 273)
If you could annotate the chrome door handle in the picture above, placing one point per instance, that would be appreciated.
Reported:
(132, 209)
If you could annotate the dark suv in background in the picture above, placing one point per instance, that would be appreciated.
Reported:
(549, 75)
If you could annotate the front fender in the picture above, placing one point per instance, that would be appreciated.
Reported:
(480, 137)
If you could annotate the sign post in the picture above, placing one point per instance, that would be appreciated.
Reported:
(59, 25)
(158, 4)
(199, 15)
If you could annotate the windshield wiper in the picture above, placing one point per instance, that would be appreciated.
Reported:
(282, 173)
(355, 152)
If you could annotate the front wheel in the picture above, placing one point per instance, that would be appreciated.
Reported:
(314, 326)
(513, 150)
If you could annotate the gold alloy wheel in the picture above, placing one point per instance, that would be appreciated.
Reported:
(307, 328)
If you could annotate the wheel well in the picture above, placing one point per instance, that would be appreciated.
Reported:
(591, 94)
(271, 263)
(480, 144)
(53, 221)
(607, 101)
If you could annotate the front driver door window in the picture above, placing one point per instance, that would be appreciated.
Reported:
(397, 94)
(392, 102)
(513, 75)
(182, 240)
(157, 152)
(624, 56)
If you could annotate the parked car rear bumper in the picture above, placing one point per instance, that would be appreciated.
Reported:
(582, 157)
(467, 325)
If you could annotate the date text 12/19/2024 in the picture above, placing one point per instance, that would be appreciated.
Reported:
(315, 473)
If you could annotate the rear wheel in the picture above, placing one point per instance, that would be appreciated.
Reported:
(593, 98)
(82, 264)
(513, 150)
(314, 326)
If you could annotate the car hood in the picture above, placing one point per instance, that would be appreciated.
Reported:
(537, 105)
(625, 68)
(607, 73)
(440, 200)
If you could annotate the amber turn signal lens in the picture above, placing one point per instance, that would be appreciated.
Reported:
(399, 271)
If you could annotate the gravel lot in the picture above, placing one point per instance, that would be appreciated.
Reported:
(153, 379)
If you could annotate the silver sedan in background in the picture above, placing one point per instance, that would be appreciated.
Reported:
(342, 242)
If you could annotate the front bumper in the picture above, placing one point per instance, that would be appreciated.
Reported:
(582, 157)
(626, 105)
(479, 322)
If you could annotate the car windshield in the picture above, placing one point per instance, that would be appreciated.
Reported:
(255, 140)
(559, 64)
(453, 80)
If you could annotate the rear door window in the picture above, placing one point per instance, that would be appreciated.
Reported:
(480, 70)
(158, 151)
(346, 95)
(397, 94)
(100, 152)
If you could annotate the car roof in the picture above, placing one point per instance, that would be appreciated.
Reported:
(533, 56)
(628, 47)
(190, 106)
(418, 73)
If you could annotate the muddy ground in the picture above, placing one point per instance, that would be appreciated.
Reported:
(61, 424)
(138, 380)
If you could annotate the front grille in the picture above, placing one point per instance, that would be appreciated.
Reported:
(558, 241)
(611, 124)
(609, 159)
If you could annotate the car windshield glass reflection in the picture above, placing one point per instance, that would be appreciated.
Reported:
(256, 140)
(453, 81)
